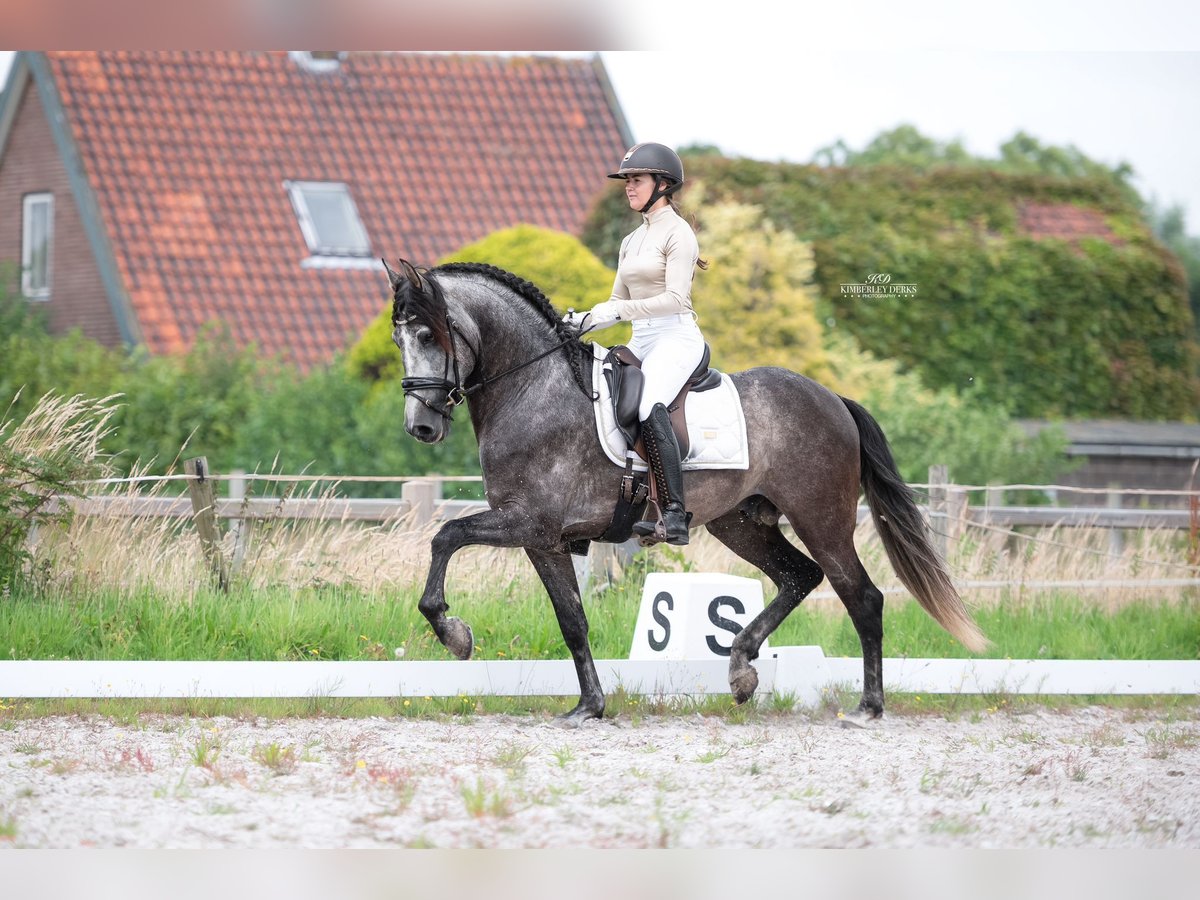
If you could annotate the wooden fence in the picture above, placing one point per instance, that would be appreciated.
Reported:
(948, 509)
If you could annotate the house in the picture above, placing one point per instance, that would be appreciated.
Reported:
(144, 194)
(1154, 456)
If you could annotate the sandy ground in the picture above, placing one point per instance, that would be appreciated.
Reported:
(1088, 778)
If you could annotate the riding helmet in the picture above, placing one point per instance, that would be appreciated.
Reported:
(652, 159)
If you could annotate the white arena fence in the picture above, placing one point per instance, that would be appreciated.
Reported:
(804, 674)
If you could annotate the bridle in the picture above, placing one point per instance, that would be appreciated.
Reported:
(456, 391)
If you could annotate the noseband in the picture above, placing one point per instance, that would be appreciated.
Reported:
(456, 391)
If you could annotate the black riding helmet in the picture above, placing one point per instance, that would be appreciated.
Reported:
(653, 159)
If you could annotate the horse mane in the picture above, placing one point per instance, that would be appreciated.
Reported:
(579, 354)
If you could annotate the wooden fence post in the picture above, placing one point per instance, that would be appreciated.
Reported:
(1116, 537)
(421, 496)
(204, 513)
(938, 522)
(239, 526)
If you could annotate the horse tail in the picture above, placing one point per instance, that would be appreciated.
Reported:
(905, 535)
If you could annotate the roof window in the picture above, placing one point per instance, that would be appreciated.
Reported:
(328, 219)
(318, 60)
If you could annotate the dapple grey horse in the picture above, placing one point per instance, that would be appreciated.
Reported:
(473, 332)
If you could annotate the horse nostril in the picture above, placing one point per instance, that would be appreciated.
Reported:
(423, 433)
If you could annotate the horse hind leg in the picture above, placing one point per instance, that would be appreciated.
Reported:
(760, 542)
(864, 602)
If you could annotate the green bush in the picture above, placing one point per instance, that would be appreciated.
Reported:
(762, 274)
(977, 441)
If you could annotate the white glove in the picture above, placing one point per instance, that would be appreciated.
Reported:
(604, 314)
(573, 320)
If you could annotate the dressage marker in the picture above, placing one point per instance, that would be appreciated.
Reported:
(694, 615)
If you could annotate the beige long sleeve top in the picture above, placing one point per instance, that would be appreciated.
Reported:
(655, 267)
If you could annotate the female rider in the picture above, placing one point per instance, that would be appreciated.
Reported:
(653, 290)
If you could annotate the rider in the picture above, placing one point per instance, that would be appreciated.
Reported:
(653, 289)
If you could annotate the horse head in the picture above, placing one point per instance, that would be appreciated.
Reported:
(435, 363)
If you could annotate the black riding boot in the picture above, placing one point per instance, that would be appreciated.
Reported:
(662, 453)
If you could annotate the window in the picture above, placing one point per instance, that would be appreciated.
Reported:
(37, 235)
(328, 219)
(318, 60)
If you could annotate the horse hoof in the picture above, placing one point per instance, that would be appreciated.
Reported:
(576, 717)
(744, 684)
(459, 638)
(860, 718)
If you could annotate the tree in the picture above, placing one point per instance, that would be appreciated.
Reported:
(758, 285)
(902, 146)
(1171, 228)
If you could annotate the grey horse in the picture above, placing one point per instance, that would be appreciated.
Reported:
(470, 331)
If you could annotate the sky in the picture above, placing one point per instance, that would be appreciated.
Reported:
(1138, 107)
(776, 80)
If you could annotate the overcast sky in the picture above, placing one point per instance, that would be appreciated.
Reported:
(1120, 85)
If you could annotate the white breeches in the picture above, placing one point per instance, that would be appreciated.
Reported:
(670, 348)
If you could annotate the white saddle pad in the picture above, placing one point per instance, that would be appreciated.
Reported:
(716, 424)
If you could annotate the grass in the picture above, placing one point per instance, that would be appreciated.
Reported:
(345, 623)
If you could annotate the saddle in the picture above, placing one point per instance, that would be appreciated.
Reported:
(623, 372)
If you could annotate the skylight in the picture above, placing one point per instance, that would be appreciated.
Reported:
(328, 219)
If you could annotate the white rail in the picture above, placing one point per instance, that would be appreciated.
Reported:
(804, 673)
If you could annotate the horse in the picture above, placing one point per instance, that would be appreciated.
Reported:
(476, 334)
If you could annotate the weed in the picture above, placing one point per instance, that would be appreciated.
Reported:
(564, 755)
(930, 780)
(280, 760)
(139, 758)
(511, 757)
(1034, 768)
(1104, 736)
(8, 829)
(1161, 740)
(28, 749)
(63, 766)
(713, 755)
(1075, 767)
(951, 825)
(205, 751)
(482, 801)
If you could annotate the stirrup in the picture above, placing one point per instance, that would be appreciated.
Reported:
(654, 531)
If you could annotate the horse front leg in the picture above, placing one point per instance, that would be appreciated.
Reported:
(557, 572)
(492, 528)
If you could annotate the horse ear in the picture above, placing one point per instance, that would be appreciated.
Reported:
(414, 277)
(393, 277)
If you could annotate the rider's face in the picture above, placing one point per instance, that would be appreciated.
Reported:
(638, 189)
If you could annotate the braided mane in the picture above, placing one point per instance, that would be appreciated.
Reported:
(579, 354)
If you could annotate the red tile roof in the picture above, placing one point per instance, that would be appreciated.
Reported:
(187, 154)
(1064, 221)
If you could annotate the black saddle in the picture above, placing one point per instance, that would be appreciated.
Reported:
(623, 371)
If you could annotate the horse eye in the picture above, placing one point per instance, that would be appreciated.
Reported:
(425, 337)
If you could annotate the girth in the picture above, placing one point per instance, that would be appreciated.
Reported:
(623, 371)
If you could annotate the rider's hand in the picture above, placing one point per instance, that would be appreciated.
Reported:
(605, 313)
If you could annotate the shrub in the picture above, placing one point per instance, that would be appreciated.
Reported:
(45, 454)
